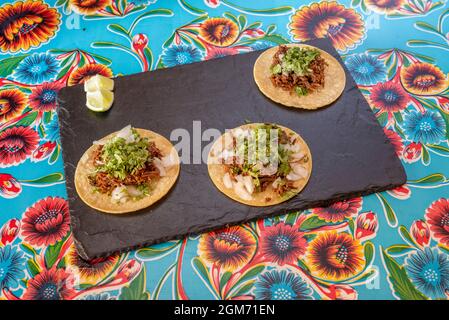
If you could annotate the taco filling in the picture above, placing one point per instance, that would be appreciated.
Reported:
(299, 70)
(260, 158)
(127, 167)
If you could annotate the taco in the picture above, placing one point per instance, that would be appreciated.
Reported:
(300, 76)
(126, 171)
(260, 164)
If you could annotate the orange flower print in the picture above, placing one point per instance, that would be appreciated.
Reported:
(89, 6)
(220, 32)
(344, 27)
(334, 256)
(384, 6)
(12, 103)
(229, 248)
(85, 72)
(26, 24)
(424, 79)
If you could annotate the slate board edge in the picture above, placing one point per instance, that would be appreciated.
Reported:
(85, 255)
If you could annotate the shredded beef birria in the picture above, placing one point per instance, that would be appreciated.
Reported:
(288, 82)
(106, 183)
(265, 181)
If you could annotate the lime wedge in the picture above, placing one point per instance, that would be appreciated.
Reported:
(100, 100)
(98, 82)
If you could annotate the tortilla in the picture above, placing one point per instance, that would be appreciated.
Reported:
(217, 171)
(103, 202)
(334, 83)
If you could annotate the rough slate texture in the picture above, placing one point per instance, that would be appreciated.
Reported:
(351, 155)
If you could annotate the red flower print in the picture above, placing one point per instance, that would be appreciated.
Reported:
(437, 217)
(127, 271)
(46, 222)
(9, 231)
(12, 103)
(420, 232)
(53, 284)
(412, 152)
(388, 97)
(345, 292)
(212, 3)
(229, 248)
(9, 186)
(444, 103)
(44, 98)
(282, 243)
(402, 192)
(16, 144)
(140, 41)
(43, 151)
(26, 24)
(328, 19)
(395, 140)
(366, 226)
(339, 211)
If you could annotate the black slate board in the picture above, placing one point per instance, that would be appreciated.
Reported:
(351, 155)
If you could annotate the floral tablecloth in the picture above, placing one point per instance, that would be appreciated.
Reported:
(391, 245)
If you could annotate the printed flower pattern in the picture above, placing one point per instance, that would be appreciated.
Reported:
(282, 243)
(282, 285)
(229, 248)
(437, 216)
(429, 270)
(12, 103)
(46, 222)
(338, 211)
(37, 68)
(328, 19)
(26, 24)
(16, 144)
(335, 256)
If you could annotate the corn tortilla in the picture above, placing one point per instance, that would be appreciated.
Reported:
(104, 202)
(334, 82)
(217, 171)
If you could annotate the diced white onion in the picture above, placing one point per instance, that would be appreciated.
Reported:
(297, 156)
(240, 190)
(299, 170)
(240, 133)
(226, 154)
(292, 176)
(127, 134)
(158, 164)
(133, 191)
(276, 182)
(248, 183)
(268, 170)
(293, 147)
(119, 194)
(99, 143)
(170, 160)
(227, 180)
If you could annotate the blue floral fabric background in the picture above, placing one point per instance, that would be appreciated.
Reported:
(390, 245)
